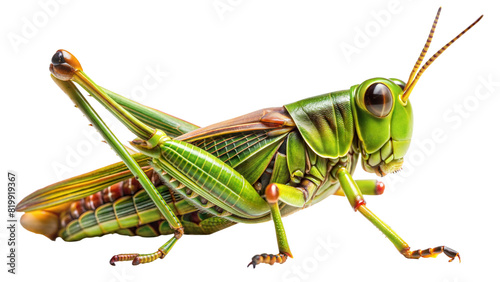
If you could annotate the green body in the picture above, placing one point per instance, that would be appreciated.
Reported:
(253, 168)
(324, 135)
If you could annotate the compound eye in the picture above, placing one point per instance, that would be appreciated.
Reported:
(378, 100)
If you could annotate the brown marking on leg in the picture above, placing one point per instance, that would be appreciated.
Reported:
(122, 257)
(268, 259)
(431, 252)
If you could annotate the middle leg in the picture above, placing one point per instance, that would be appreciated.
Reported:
(294, 196)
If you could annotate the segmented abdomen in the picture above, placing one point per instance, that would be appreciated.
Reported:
(121, 206)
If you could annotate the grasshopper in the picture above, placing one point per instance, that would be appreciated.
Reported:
(254, 168)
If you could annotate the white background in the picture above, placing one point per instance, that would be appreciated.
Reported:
(256, 55)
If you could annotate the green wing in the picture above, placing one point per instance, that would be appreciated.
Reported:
(247, 143)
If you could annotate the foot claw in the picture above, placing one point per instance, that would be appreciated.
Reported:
(452, 254)
(255, 261)
(112, 260)
(123, 257)
(431, 252)
(268, 258)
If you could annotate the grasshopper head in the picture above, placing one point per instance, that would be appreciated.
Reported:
(383, 115)
(384, 124)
